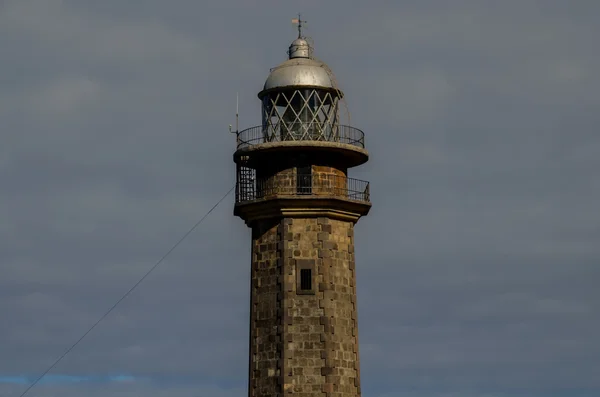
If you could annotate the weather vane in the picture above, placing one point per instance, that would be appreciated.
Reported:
(299, 21)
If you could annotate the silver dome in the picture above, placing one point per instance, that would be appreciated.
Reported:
(299, 72)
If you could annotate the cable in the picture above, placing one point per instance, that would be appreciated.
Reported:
(127, 293)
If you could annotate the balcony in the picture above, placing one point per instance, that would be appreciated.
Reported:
(298, 132)
(321, 186)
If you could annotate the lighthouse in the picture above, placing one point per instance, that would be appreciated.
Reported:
(294, 191)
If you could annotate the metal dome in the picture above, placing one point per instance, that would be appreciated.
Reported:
(300, 70)
(300, 48)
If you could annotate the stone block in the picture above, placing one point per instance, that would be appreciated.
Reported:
(323, 253)
(325, 304)
(322, 236)
(327, 229)
(287, 319)
(328, 245)
(328, 262)
(327, 388)
(305, 263)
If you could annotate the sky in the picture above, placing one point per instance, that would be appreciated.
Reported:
(477, 266)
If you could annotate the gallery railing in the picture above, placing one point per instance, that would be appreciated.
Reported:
(292, 185)
(283, 132)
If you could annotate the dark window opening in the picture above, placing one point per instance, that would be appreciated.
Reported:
(304, 180)
(305, 279)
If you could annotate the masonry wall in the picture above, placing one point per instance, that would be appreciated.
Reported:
(303, 343)
(272, 183)
(325, 181)
(329, 181)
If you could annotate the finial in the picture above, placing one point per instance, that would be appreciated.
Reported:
(299, 21)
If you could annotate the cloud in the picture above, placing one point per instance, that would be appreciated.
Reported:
(65, 96)
(67, 379)
(123, 389)
(476, 266)
(81, 34)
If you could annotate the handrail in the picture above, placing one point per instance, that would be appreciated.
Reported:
(315, 186)
(301, 132)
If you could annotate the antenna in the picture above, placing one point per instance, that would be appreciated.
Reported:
(299, 21)
(237, 115)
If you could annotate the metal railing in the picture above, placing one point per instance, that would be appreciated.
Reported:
(301, 132)
(293, 185)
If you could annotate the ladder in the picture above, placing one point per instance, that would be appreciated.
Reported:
(246, 186)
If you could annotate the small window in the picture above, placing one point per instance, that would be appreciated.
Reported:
(305, 279)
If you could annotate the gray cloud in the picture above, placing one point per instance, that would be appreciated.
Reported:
(477, 264)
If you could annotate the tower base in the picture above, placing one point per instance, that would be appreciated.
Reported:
(303, 328)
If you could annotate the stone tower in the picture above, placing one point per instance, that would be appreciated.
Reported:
(294, 192)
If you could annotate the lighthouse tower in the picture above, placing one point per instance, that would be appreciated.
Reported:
(294, 192)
